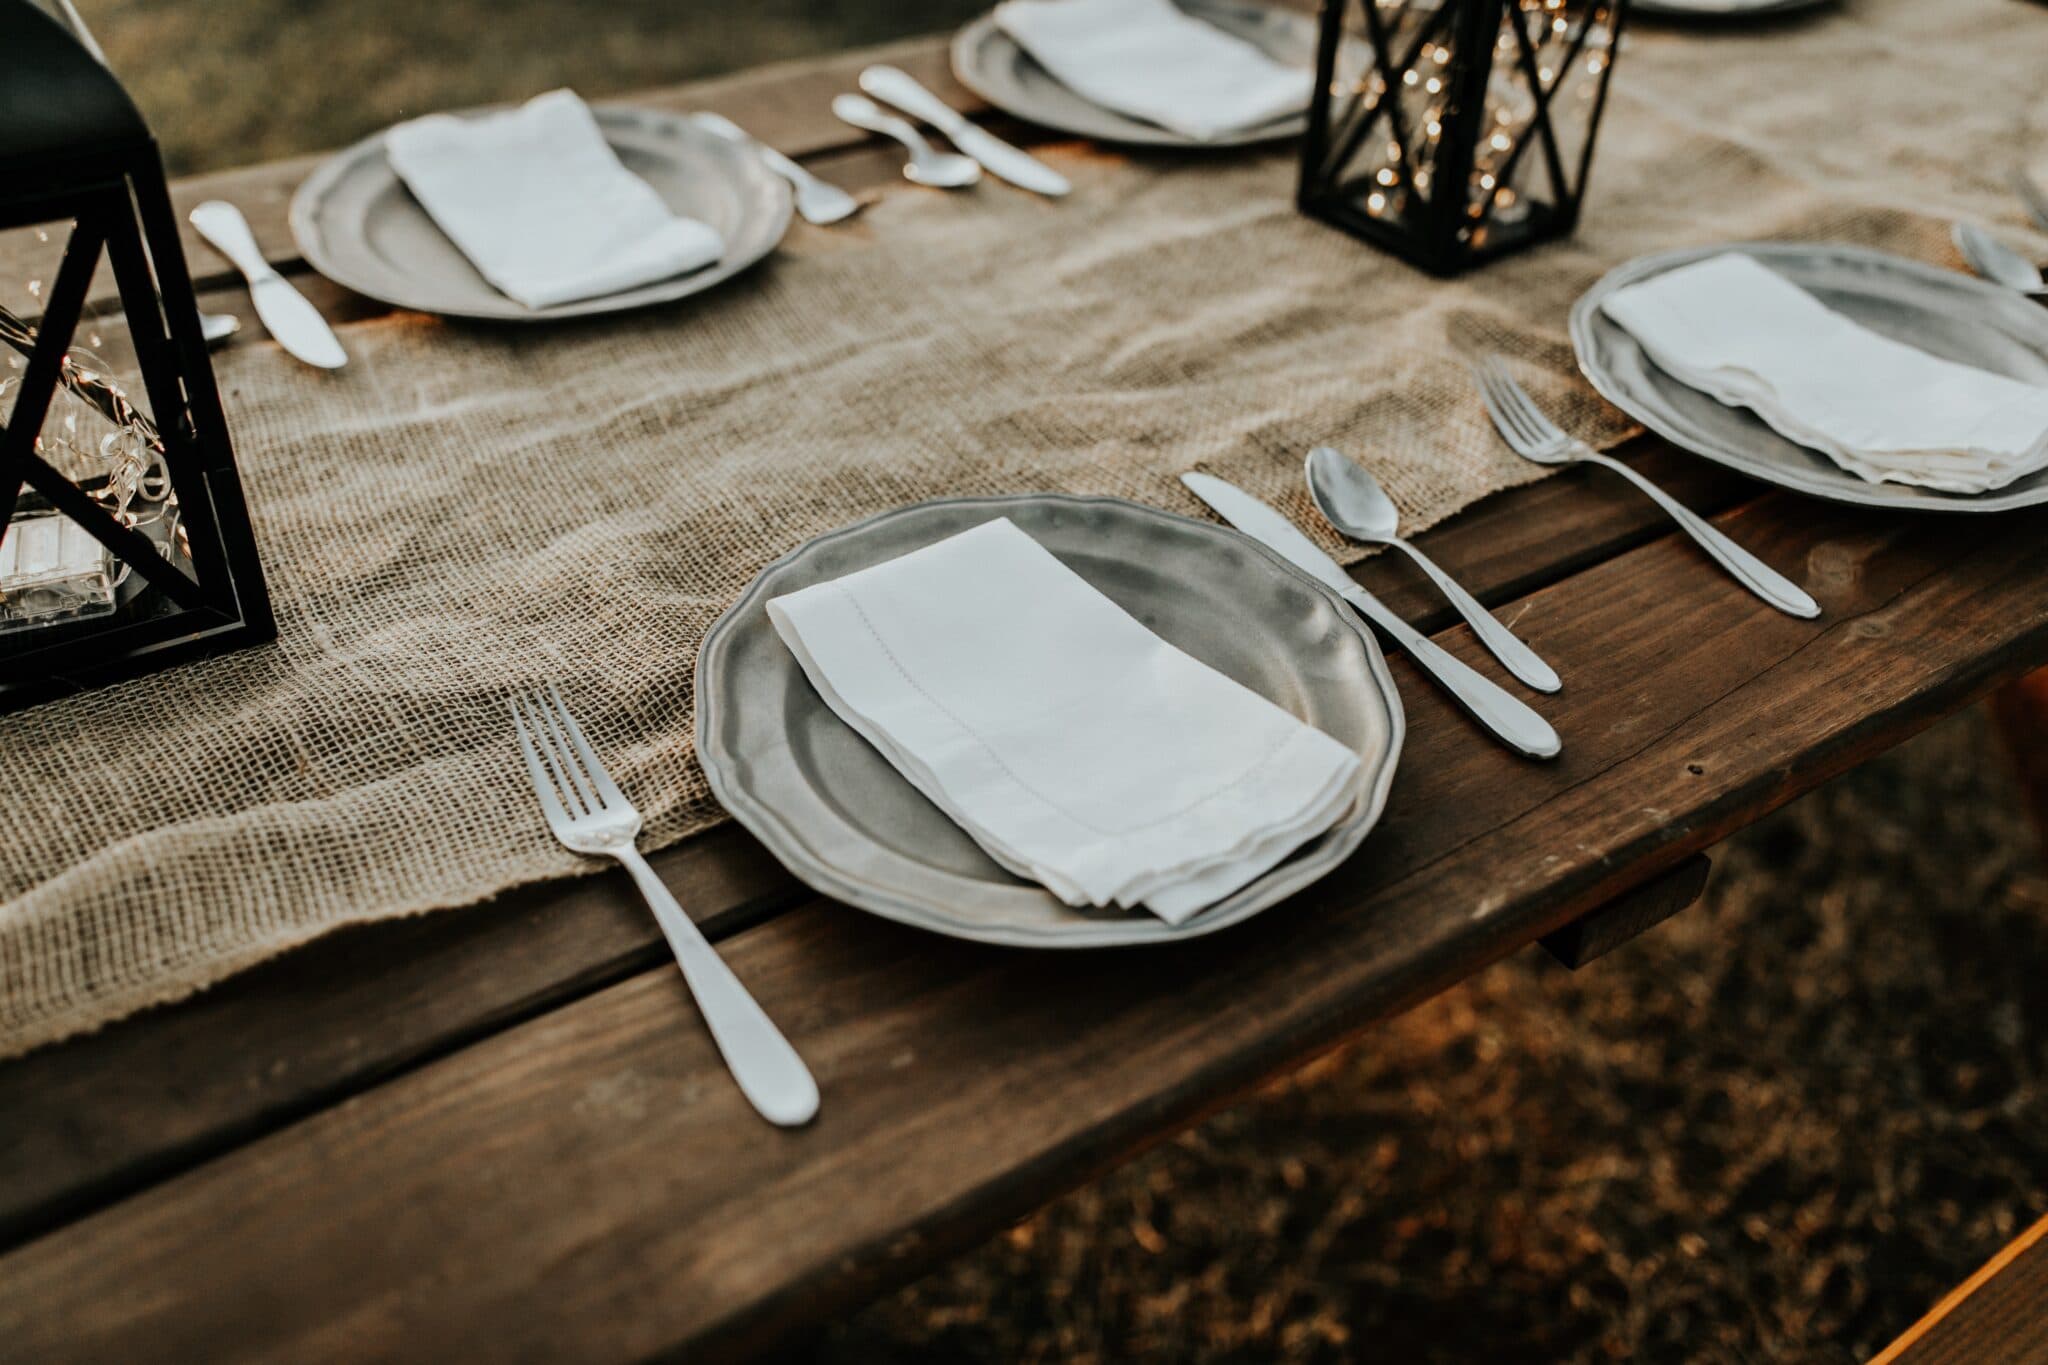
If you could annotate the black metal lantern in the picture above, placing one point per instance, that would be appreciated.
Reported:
(1452, 131)
(127, 544)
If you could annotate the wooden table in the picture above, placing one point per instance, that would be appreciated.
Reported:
(502, 1132)
(1998, 1316)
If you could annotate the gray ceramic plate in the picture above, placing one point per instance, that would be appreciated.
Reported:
(1720, 9)
(1943, 312)
(838, 816)
(989, 63)
(357, 224)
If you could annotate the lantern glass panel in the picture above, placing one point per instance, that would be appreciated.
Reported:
(113, 424)
(97, 432)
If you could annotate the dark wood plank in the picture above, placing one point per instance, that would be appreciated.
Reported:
(103, 1115)
(601, 1151)
(108, 1113)
(1999, 1316)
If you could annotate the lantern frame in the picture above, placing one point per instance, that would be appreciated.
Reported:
(1441, 233)
(110, 184)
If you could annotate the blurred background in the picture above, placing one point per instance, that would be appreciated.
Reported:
(1778, 1127)
(227, 82)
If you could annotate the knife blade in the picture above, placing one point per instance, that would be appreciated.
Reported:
(1510, 720)
(290, 318)
(892, 85)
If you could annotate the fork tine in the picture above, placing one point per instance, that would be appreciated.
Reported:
(543, 785)
(551, 756)
(1500, 421)
(592, 764)
(1493, 393)
(1533, 418)
(552, 738)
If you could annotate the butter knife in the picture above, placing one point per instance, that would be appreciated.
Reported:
(1511, 721)
(893, 85)
(295, 323)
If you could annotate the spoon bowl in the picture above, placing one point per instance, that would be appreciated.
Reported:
(1996, 261)
(927, 165)
(1352, 500)
(817, 201)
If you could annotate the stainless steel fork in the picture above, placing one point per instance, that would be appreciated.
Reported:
(1536, 437)
(589, 814)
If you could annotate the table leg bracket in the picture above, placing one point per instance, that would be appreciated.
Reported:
(1599, 932)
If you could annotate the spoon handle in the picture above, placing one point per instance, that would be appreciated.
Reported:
(868, 116)
(1515, 656)
(1510, 719)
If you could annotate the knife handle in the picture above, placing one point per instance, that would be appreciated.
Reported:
(1511, 720)
(223, 225)
(893, 85)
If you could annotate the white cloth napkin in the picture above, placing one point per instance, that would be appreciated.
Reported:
(1078, 748)
(1149, 59)
(1733, 328)
(540, 204)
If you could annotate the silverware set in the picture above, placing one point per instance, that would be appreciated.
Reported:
(1509, 719)
(1352, 501)
(979, 149)
(1355, 505)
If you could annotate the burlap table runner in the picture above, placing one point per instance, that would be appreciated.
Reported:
(461, 511)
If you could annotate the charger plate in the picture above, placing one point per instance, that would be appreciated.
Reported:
(1722, 9)
(356, 223)
(839, 817)
(1943, 312)
(990, 63)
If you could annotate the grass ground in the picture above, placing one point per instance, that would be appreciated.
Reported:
(1776, 1128)
(227, 82)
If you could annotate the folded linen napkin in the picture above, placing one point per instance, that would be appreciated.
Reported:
(1150, 59)
(540, 204)
(1733, 328)
(1076, 747)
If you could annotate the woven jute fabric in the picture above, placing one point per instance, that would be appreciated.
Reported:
(462, 510)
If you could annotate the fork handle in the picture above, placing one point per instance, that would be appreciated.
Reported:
(773, 1078)
(1759, 577)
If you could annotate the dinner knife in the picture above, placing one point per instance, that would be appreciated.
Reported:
(295, 323)
(893, 85)
(1513, 722)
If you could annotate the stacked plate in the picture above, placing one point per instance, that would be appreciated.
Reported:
(991, 64)
(356, 223)
(837, 814)
(1942, 312)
